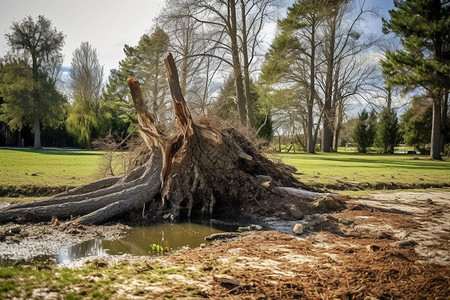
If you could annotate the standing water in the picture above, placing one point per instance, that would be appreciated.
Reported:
(139, 241)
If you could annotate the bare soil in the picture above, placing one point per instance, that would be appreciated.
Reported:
(383, 246)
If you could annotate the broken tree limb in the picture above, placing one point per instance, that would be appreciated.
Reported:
(180, 108)
(151, 134)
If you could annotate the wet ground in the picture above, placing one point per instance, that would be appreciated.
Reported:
(64, 242)
(382, 246)
(28, 241)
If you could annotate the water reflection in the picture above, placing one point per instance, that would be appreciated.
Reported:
(89, 248)
(139, 239)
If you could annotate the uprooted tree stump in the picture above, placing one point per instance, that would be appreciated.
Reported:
(199, 172)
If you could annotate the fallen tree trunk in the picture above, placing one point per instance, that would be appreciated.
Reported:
(199, 172)
(96, 202)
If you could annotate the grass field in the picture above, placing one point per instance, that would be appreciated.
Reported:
(342, 171)
(331, 170)
(48, 167)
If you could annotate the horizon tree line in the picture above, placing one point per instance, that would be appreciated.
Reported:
(318, 63)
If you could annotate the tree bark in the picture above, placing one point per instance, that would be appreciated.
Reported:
(444, 122)
(36, 120)
(37, 128)
(246, 67)
(311, 141)
(237, 68)
(436, 128)
(327, 130)
(200, 171)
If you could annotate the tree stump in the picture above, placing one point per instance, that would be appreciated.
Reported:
(200, 171)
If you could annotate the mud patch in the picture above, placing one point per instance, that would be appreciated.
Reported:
(26, 241)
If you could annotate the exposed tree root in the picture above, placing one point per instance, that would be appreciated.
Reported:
(199, 172)
(95, 202)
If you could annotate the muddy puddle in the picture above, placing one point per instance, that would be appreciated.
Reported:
(147, 240)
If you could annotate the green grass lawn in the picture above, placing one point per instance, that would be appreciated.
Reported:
(343, 170)
(330, 169)
(52, 168)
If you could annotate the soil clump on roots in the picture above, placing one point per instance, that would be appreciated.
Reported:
(198, 172)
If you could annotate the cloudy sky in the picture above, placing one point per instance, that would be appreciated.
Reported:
(106, 24)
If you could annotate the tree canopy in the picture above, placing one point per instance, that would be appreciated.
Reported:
(321, 62)
(38, 44)
(424, 61)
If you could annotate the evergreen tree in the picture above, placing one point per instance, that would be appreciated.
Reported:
(416, 124)
(225, 105)
(151, 71)
(18, 88)
(364, 131)
(144, 62)
(387, 131)
(39, 44)
(118, 104)
(424, 60)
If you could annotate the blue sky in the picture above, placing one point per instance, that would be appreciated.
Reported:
(106, 24)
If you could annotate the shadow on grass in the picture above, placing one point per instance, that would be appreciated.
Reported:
(58, 152)
(375, 160)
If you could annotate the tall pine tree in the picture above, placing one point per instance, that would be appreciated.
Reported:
(145, 63)
(424, 61)
(364, 131)
(387, 132)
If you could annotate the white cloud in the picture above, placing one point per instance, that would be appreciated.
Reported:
(106, 24)
(103, 23)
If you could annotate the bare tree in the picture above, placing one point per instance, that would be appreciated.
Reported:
(233, 29)
(86, 74)
(381, 95)
(187, 40)
(351, 81)
(343, 40)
